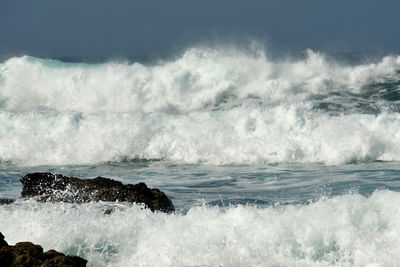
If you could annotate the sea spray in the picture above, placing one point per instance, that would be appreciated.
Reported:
(209, 106)
(347, 230)
(200, 78)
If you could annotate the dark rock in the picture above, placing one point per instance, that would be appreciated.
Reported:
(56, 187)
(51, 254)
(3, 243)
(108, 211)
(28, 254)
(6, 201)
(6, 256)
(65, 261)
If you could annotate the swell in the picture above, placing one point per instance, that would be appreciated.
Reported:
(210, 106)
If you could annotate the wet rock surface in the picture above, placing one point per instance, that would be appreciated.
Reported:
(56, 187)
(27, 254)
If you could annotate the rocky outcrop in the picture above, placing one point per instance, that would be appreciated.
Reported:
(56, 187)
(25, 254)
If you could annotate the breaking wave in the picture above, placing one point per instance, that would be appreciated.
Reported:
(209, 106)
(347, 230)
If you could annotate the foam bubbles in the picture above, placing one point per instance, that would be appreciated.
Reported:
(242, 135)
(207, 106)
(347, 230)
(199, 78)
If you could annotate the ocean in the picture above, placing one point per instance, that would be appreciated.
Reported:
(269, 162)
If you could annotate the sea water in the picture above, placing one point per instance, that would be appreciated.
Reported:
(290, 162)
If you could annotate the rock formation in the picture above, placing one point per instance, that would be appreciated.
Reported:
(27, 254)
(56, 187)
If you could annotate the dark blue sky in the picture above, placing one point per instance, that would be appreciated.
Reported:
(100, 28)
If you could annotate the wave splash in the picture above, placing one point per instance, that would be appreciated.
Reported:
(348, 230)
(209, 106)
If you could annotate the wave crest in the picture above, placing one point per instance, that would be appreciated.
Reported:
(207, 106)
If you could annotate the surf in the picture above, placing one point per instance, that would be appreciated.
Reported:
(207, 105)
(346, 230)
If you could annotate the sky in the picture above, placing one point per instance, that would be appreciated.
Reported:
(149, 28)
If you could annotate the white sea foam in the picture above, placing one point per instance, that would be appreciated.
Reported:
(347, 230)
(207, 106)
(198, 78)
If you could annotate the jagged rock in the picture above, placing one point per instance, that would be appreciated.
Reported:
(56, 187)
(51, 254)
(6, 201)
(28, 254)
